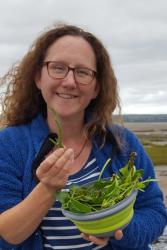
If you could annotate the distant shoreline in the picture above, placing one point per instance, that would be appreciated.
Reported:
(145, 118)
(147, 126)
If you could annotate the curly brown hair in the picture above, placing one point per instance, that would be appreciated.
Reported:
(23, 100)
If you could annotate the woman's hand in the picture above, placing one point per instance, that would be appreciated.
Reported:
(102, 241)
(54, 170)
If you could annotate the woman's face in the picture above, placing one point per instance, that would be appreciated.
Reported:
(66, 96)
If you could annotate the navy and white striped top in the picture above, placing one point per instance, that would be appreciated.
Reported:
(58, 231)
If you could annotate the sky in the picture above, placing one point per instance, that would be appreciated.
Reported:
(133, 31)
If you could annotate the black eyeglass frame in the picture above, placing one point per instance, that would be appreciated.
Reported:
(94, 73)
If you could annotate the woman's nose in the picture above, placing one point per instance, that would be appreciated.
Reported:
(69, 80)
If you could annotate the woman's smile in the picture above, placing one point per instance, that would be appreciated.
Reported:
(66, 96)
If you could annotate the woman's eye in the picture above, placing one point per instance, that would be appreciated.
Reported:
(82, 72)
(59, 67)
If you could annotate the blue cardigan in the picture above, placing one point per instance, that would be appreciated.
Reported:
(20, 144)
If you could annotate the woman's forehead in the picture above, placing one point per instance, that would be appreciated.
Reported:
(71, 48)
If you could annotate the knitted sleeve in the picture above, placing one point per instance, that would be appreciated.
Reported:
(10, 176)
(150, 215)
(10, 172)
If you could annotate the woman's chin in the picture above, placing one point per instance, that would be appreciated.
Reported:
(66, 114)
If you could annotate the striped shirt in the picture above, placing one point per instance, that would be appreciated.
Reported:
(58, 231)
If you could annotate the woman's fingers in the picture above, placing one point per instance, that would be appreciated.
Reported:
(49, 161)
(102, 241)
(59, 178)
(61, 161)
(61, 164)
(97, 240)
(118, 235)
(53, 171)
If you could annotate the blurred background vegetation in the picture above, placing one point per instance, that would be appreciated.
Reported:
(156, 149)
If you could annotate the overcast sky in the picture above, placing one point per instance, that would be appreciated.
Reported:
(133, 31)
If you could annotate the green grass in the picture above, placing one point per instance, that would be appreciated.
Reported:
(153, 137)
(157, 153)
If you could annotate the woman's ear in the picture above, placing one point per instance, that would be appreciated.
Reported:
(38, 80)
(96, 90)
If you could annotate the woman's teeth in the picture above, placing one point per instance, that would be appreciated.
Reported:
(66, 96)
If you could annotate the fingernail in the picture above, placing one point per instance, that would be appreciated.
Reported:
(91, 237)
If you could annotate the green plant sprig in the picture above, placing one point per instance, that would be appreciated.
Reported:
(104, 193)
(58, 142)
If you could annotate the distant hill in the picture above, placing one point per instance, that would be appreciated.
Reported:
(145, 118)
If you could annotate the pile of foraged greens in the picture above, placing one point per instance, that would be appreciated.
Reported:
(102, 193)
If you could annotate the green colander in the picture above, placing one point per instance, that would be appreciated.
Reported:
(105, 222)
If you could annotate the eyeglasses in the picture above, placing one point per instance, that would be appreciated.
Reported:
(58, 70)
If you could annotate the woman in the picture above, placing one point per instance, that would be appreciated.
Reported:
(69, 70)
